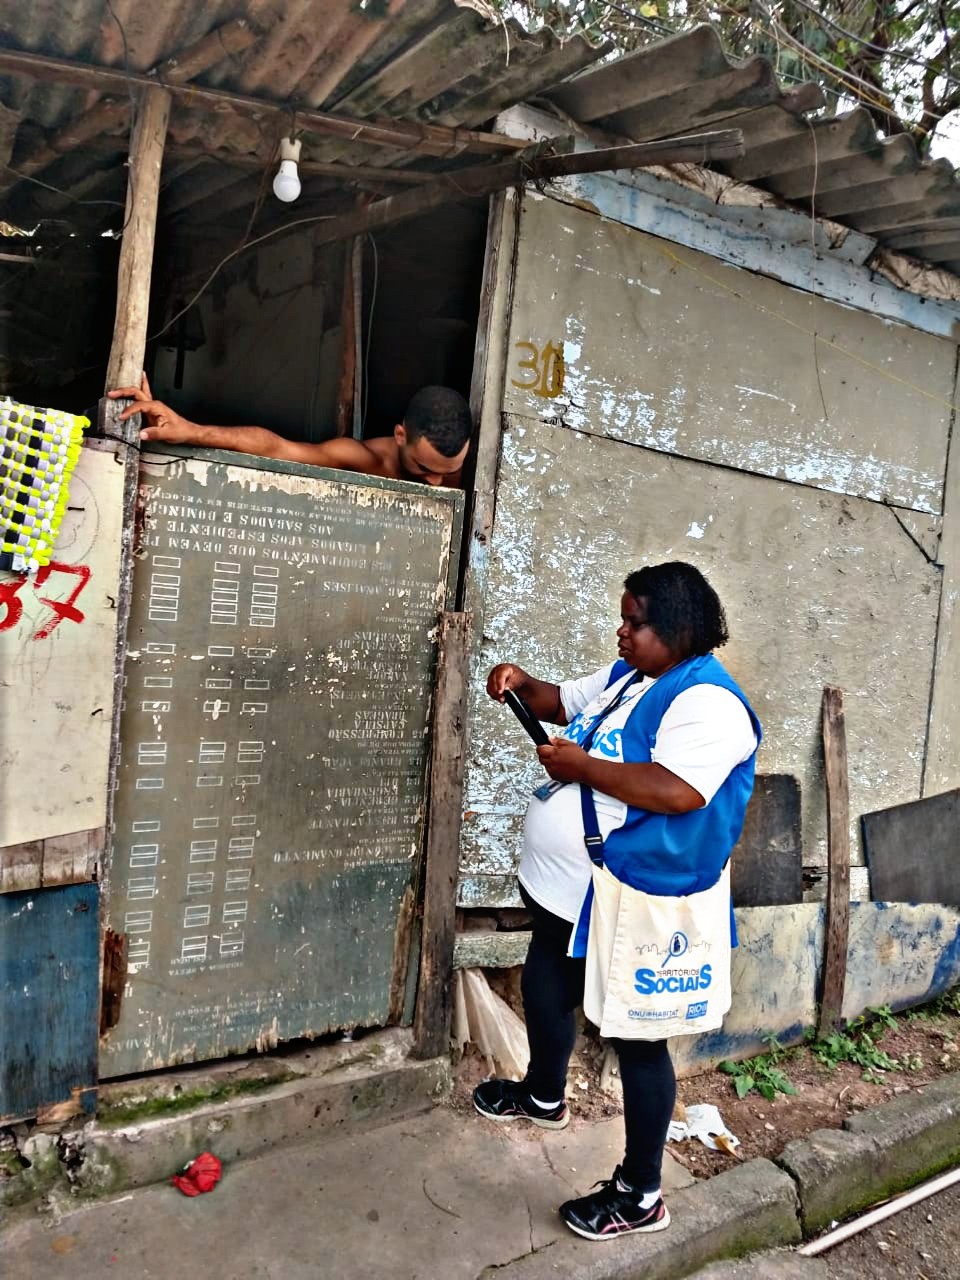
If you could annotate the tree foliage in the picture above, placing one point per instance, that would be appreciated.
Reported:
(899, 59)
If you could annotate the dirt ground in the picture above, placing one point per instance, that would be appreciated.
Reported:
(922, 1243)
(929, 1042)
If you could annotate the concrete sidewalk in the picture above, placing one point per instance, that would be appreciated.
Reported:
(444, 1194)
(438, 1194)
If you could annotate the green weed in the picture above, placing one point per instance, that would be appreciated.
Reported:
(858, 1044)
(762, 1074)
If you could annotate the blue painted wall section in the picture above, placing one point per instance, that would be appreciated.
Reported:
(49, 999)
(899, 954)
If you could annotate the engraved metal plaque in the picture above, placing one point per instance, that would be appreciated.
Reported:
(274, 750)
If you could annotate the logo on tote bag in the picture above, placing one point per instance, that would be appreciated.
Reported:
(679, 944)
(649, 982)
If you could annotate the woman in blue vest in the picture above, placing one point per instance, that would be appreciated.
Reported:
(662, 743)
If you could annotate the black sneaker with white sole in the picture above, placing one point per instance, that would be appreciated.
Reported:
(511, 1100)
(612, 1211)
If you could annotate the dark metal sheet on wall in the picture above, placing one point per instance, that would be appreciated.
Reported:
(274, 744)
(49, 997)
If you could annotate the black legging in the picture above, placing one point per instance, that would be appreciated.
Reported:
(552, 987)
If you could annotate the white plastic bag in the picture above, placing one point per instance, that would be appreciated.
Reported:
(481, 1017)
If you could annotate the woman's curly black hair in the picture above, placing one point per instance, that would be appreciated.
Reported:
(682, 608)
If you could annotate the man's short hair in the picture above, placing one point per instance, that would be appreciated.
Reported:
(442, 416)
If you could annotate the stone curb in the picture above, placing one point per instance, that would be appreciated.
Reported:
(741, 1211)
(101, 1159)
(829, 1175)
(876, 1154)
(770, 1266)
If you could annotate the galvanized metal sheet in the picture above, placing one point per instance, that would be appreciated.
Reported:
(819, 589)
(57, 638)
(274, 748)
(49, 999)
(623, 335)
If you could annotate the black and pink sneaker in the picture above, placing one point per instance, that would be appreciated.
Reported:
(510, 1100)
(612, 1211)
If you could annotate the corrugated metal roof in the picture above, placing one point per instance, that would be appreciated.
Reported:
(838, 167)
(425, 60)
(451, 63)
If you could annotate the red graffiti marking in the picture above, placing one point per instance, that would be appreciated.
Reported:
(12, 604)
(62, 608)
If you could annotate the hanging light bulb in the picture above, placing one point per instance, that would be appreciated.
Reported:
(286, 185)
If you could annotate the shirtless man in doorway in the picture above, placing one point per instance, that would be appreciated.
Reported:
(429, 446)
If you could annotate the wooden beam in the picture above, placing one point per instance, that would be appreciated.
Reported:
(103, 117)
(110, 114)
(431, 139)
(431, 1024)
(9, 123)
(340, 54)
(21, 866)
(224, 42)
(838, 868)
(198, 185)
(136, 248)
(491, 949)
(485, 179)
(347, 417)
(308, 168)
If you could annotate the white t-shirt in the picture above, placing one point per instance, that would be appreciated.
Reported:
(704, 734)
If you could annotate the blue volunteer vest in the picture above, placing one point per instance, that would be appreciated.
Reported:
(670, 855)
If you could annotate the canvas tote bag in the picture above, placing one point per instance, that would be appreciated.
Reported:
(657, 966)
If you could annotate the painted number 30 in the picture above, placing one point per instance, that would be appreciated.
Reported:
(11, 605)
(540, 368)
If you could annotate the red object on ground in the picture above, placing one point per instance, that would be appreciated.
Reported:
(201, 1175)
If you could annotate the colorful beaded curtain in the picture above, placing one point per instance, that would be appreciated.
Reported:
(39, 449)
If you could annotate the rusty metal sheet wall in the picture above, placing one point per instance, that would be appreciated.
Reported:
(625, 335)
(820, 588)
(274, 747)
(57, 636)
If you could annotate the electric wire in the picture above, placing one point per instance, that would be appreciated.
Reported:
(241, 248)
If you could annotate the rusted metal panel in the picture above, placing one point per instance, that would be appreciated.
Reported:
(57, 639)
(274, 746)
(620, 334)
(802, 573)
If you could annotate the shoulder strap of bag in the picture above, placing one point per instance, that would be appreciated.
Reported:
(591, 826)
(588, 806)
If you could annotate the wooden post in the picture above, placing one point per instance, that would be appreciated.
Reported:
(124, 369)
(136, 256)
(351, 308)
(431, 1024)
(838, 861)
